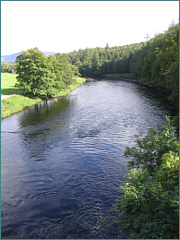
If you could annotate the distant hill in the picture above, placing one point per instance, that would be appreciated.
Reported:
(12, 57)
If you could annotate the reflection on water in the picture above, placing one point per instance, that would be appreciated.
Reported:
(62, 169)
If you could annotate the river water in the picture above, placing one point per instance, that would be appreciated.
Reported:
(62, 166)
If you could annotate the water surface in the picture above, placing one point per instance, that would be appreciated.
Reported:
(62, 167)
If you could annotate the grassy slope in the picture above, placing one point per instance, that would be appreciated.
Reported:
(17, 103)
(8, 81)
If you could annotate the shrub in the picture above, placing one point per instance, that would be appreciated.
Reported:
(149, 150)
(149, 205)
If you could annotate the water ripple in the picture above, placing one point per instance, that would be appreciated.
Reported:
(64, 168)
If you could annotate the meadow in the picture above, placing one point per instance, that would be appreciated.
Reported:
(8, 81)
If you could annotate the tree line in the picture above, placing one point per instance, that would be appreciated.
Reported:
(99, 61)
(155, 61)
(8, 67)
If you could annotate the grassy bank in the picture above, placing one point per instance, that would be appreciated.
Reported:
(17, 103)
(71, 87)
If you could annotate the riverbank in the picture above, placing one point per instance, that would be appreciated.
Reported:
(159, 89)
(131, 77)
(16, 102)
(128, 77)
(118, 76)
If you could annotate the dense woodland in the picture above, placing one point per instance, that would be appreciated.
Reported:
(155, 61)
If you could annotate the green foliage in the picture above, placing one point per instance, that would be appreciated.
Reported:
(34, 73)
(98, 61)
(148, 151)
(40, 75)
(149, 205)
(159, 62)
(8, 67)
(155, 61)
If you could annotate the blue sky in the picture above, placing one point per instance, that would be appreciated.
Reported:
(64, 26)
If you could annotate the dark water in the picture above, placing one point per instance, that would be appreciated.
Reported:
(62, 168)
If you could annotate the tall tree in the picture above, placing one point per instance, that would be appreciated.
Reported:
(34, 73)
(41, 75)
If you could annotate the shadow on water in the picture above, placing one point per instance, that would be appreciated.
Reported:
(44, 111)
(41, 126)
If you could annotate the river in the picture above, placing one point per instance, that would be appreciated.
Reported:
(63, 164)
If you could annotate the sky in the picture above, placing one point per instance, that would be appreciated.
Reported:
(65, 26)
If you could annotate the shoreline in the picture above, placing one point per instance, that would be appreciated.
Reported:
(14, 103)
(120, 78)
(159, 89)
(150, 84)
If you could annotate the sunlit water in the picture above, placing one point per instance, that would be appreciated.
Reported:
(62, 167)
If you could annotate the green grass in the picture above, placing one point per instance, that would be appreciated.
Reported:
(8, 81)
(17, 103)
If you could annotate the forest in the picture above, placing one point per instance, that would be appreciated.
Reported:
(155, 61)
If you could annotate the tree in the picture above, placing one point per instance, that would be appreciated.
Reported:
(147, 37)
(8, 67)
(107, 46)
(65, 71)
(159, 62)
(44, 76)
(149, 205)
(148, 151)
(34, 73)
(96, 63)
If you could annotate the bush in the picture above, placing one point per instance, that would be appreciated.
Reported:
(149, 206)
(148, 151)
